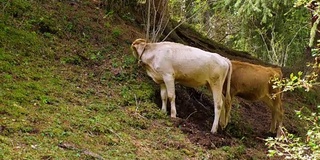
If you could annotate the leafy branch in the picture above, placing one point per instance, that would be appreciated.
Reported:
(307, 81)
(290, 146)
(293, 147)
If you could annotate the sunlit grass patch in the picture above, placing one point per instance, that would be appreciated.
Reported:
(71, 89)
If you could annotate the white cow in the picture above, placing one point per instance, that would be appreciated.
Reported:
(167, 62)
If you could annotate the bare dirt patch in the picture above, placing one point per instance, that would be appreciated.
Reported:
(250, 121)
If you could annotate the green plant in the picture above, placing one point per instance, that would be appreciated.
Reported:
(128, 16)
(293, 147)
(75, 60)
(16, 8)
(234, 152)
(109, 14)
(129, 61)
(289, 145)
(116, 32)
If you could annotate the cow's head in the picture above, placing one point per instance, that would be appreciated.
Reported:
(138, 47)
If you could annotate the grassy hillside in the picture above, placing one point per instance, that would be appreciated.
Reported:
(70, 89)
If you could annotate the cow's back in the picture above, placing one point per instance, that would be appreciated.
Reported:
(253, 82)
(250, 81)
(190, 66)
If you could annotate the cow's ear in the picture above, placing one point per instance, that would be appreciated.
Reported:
(134, 51)
(140, 47)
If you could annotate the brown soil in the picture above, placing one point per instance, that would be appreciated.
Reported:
(250, 121)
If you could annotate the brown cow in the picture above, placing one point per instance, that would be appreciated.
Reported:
(252, 82)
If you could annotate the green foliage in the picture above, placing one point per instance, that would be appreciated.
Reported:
(76, 60)
(121, 6)
(16, 8)
(20, 41)
(234, 153)
(288, 145)
(306, 81)
(293, 147)
(66, 77)
(300, 80)
(293, 82)
(133, 93)
(271, 30)
(128, 16)
(68, 83)
(191, 11)
(116, 32)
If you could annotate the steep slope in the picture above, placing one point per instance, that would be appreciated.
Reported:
(70, 89)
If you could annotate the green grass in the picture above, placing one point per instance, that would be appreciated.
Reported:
(69, 85)
(49, 99)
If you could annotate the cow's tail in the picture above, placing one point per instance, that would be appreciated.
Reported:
(228, 96)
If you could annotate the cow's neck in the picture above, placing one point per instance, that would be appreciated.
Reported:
(140, 57)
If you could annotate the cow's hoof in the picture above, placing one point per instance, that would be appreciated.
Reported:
(214, 131)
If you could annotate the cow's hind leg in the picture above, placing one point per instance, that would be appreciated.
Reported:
(218, 104)
(277, 112)
(268, 101)
(223, 115)
(279, 115)
(169, 82)
(228, 107)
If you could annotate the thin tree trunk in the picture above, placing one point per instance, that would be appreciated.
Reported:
(188, 7)
(314, 17)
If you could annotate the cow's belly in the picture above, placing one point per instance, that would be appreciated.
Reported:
(191, 80)
(191, 83)
(249, 96)
(252, 94)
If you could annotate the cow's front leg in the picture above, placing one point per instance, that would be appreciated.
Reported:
(169, 82)
(164, 97)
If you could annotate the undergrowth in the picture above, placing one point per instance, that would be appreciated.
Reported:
(67, 96)
(70, 89)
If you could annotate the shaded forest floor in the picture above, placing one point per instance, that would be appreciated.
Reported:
(71, 89)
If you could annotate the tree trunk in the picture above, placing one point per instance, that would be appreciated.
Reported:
(188, 10)
(186, 35)
(159, 18)
(308, 54)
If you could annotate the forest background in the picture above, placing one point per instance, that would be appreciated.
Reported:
(71, 89)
